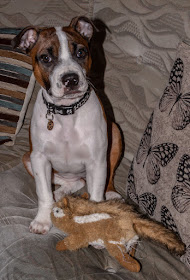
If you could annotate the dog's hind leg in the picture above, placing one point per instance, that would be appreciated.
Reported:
(27, 163)
(114, 155)
(66, 186)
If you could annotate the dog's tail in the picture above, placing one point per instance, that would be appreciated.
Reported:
(149, 229)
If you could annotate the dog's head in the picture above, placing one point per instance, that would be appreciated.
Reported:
(60, 56)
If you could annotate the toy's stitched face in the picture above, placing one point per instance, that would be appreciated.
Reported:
(58, 212)
(61, 209)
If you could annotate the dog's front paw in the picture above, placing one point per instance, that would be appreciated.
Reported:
(40, 227)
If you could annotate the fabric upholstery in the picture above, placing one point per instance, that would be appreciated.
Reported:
(138, 52)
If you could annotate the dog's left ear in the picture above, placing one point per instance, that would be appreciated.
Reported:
(26, 39)
(84, 26)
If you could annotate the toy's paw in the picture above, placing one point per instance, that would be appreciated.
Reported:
(130, 263)
(40, 227)
(112, 195)
(61, 246)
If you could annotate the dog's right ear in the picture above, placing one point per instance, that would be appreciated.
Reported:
(26, 39)
(84, 26)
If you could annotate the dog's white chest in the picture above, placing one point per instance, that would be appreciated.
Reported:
(67, 151)
(74, 141)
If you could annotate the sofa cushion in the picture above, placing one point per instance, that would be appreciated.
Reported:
(159, 178)
(16, 86)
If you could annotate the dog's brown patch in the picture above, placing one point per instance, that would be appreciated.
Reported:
(47, 42)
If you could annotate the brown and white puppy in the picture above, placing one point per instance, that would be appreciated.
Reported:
(68, 128)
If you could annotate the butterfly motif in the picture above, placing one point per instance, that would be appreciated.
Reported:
(167, 220)
(173, 100)
(156, 156)
(146, 201)
(181, 192)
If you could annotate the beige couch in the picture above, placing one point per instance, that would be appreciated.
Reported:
(139, 50)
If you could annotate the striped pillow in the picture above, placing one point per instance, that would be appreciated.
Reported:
(16, 86)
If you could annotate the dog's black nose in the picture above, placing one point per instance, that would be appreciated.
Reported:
(70, 80)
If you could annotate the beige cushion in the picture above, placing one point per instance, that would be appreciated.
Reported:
(159, 178)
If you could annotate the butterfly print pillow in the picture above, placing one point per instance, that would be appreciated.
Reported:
(159, 178)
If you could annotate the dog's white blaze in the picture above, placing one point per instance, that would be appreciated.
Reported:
(64, 48)
(91, 218)
(58, 212)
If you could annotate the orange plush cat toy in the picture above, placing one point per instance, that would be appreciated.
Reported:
(113, 224)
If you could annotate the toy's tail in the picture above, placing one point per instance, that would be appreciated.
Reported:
(155, 231)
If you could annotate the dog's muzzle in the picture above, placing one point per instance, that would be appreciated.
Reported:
(70, 81)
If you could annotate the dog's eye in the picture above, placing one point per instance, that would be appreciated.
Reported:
(81, 53)
(45, 58)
